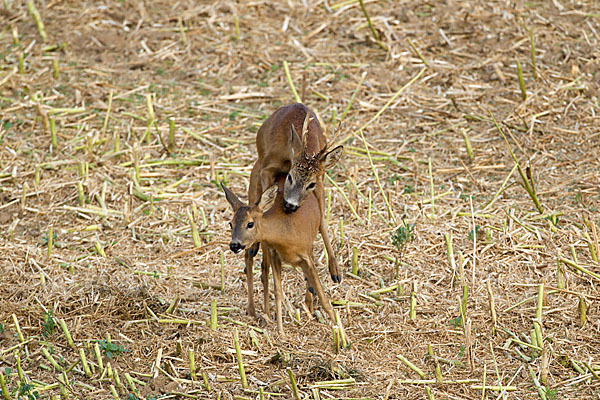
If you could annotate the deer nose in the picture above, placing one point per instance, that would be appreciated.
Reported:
(236, 247)
(289, 207)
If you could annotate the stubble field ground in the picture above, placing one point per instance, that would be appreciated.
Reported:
(115, 193)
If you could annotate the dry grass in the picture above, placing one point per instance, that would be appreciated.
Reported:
(117, 193)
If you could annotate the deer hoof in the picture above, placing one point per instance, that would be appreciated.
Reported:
(336, 278)
(251, 312)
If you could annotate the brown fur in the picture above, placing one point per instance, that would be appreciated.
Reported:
(282, 151)
(285, 238)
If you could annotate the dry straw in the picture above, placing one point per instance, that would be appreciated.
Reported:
(111, 148)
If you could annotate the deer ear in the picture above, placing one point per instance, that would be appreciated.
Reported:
(294, 137)
(267, 199)
(232, 199)
(331, 158)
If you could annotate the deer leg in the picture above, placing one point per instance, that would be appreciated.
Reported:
(249, 259)
(331, 259)
(276, 264)
(308, 267)
(254, 192)
(309, 298)
(264, 277)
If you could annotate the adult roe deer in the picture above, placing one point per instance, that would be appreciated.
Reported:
(286, 237)
(304, 158)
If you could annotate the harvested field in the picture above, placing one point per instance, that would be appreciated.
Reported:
(464, 213)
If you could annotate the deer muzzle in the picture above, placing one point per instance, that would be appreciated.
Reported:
(236, 247)
(289, 208)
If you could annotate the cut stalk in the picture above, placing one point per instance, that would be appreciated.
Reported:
(5, 394)
(560, 277)
(288, 76)
(418, 53)
(171, 141)
(80, 195)
(192, 364)
(110, 98)
(99, 249)
(591, 246)
(521, 81)
(468, 145)
(537, 323)
(579, 268)
(369, 197)
(38, 20)
(432, 216)
(205, 380)
(526, 182)
(492, 307)
(293, 384)
(181, 30)
(533, 63)
(371, 26)
(438, 369)
(51, 359)
(413, 302)
(240, 362)
(450, 252)
(36, 175)
(98, 357)
(540, 389)
(195, 234)
(336, 339)
(114, 393)
(65, 329)
(131, 383)
(465, 298)
(21, 67)
(343, 337)
(410, 365)
(84, 363)
(582, 307)
(53, 138)
(355, 260)
(50, 240)
(55, 69)
(213, 314)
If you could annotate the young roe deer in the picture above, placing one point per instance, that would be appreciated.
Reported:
(304, 158)
(286, 237)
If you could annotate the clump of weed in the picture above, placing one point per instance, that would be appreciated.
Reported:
(48, 325)
(111, 350)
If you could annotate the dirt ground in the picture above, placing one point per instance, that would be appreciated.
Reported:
(95, 228)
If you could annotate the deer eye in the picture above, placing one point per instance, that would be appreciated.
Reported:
(311, 186)
(250, 225)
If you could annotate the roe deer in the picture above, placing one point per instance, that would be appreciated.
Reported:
(284, 237)
(304, 158)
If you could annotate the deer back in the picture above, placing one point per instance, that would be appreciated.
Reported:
(277, 145)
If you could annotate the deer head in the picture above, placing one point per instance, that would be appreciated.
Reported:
(246, 222)
(306, 169)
